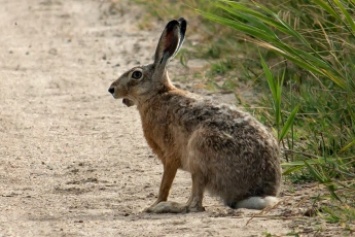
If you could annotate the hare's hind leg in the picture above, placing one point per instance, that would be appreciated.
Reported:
(196, 164)
(194, 204)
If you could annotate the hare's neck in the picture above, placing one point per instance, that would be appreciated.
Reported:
(152, 98)
(156, 105)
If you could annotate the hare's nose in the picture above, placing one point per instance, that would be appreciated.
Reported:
(111, 90)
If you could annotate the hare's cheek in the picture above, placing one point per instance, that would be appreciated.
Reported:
(132, 83)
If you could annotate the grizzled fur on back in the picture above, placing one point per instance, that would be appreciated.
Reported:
(226, 150)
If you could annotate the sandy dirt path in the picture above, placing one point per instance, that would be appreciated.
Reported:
(73, 161)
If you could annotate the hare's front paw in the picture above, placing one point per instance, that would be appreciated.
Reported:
(167, 207)
(151, 208)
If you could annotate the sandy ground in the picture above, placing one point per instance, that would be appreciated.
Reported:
(73, 160)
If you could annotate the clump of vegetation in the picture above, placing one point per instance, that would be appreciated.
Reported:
(300, 55)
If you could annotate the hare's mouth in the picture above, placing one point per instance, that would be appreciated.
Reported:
(127, 102)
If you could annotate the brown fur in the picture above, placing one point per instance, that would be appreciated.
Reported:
(226, 151)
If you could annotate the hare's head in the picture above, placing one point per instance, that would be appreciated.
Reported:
(142, 82)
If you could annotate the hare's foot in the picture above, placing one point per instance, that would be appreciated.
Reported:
(174, 207)
(167, 207)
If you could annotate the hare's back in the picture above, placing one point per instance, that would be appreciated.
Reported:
(189, 113)
(225, 124)
(192, 113)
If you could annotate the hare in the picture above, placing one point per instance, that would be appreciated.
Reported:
(227, 151)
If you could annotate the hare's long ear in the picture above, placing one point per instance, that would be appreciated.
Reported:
(183, 24)
(170, 41)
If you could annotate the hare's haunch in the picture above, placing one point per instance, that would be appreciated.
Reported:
(227, 151)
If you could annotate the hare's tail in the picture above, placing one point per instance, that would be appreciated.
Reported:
(257, 202)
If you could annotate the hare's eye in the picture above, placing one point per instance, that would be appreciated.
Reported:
(137, 74)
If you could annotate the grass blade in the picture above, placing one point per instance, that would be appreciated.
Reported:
(289, 123)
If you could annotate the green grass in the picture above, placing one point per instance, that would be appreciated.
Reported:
(299, 56)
